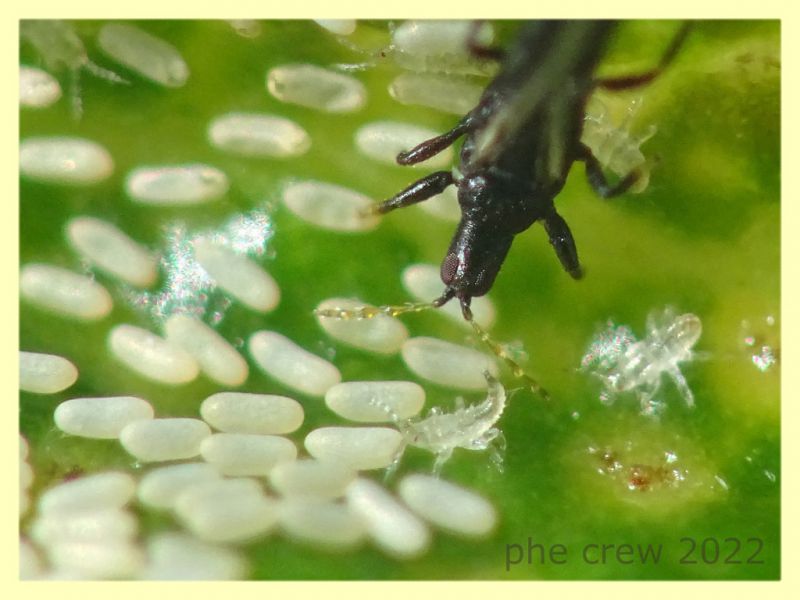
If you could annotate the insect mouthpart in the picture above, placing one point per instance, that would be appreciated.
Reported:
(473, 261)
(519, 144)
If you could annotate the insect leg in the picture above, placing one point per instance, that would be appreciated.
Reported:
(76, 102)
(441, 458)
(563, 243)
(482, 442)
(392, 468)
(683, 387)
(646, 395)
(503, 354)
(598, 181)
(498, 451)
(419, 191)
(627, 82)
(102, 73)
(434, 145)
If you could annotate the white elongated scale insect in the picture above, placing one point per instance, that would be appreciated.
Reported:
(143, 53)
(105, 490)
(182, 557)
(37, 88)
(439, 46)
(337, 26)
(45, 373)
(447, 505)
(455, 95)
(110, 249)
(317, 88)
(176, 185)
(329, 206)
(391, 525)
(64, 160)
(253, 134)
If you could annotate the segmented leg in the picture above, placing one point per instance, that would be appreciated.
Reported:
(683, 387)
(606, 397)
(75, 84)
(563, 243)
(482, 443)
(103, 73)
(646, 395)
(419, 191)
(441, 458)
(498, 451)
(392, 468)
(598, 181)
(627, 82)
(502, 353)
(76, 102)
(435, 145)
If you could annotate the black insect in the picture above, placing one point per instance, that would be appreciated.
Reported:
(519, 144)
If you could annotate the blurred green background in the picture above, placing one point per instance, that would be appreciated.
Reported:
(703, 237)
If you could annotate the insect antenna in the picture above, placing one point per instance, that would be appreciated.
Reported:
(394, 310)
(106, 74)
(76, 103)
(369, 312)
(500, 351)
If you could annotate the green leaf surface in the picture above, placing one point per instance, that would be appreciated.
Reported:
(703, 237)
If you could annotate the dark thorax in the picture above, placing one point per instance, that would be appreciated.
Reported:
(519, 144)
(521, 141)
